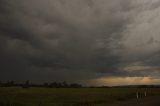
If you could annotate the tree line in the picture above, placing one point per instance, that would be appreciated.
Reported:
(27, 84)
(64, 84)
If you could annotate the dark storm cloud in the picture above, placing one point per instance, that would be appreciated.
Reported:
(70, 39)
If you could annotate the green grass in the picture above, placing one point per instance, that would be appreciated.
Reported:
(18, 96)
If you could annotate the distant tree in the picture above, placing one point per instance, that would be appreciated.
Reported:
(12, 83)
(59, 85)
(46, 84)
(75, 85)
(9, 83)
(53, 85)
(26, 84)
(65, 84)
(1, 83)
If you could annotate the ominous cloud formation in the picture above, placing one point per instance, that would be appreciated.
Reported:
(79, 40)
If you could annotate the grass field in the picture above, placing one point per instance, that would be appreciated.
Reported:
(17, 96)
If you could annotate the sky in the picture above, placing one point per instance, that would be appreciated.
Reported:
(92, 42)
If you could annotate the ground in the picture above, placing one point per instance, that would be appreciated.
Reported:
(17, 96)
(148, 101)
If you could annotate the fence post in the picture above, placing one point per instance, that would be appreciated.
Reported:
(145, 93)
(137, 95)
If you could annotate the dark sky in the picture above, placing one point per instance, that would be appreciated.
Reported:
(93, 42)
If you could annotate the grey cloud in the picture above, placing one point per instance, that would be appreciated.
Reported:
(44, 40)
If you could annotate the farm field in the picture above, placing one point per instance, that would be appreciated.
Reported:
(17, 96)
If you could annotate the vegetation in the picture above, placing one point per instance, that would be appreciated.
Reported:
(27, 84)
(64, 94)
(40, 96)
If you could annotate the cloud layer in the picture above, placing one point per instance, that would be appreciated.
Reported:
(78, 40)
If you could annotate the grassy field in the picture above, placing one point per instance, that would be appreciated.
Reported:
(17, 96)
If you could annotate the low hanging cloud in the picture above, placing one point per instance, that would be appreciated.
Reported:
(78, 40)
